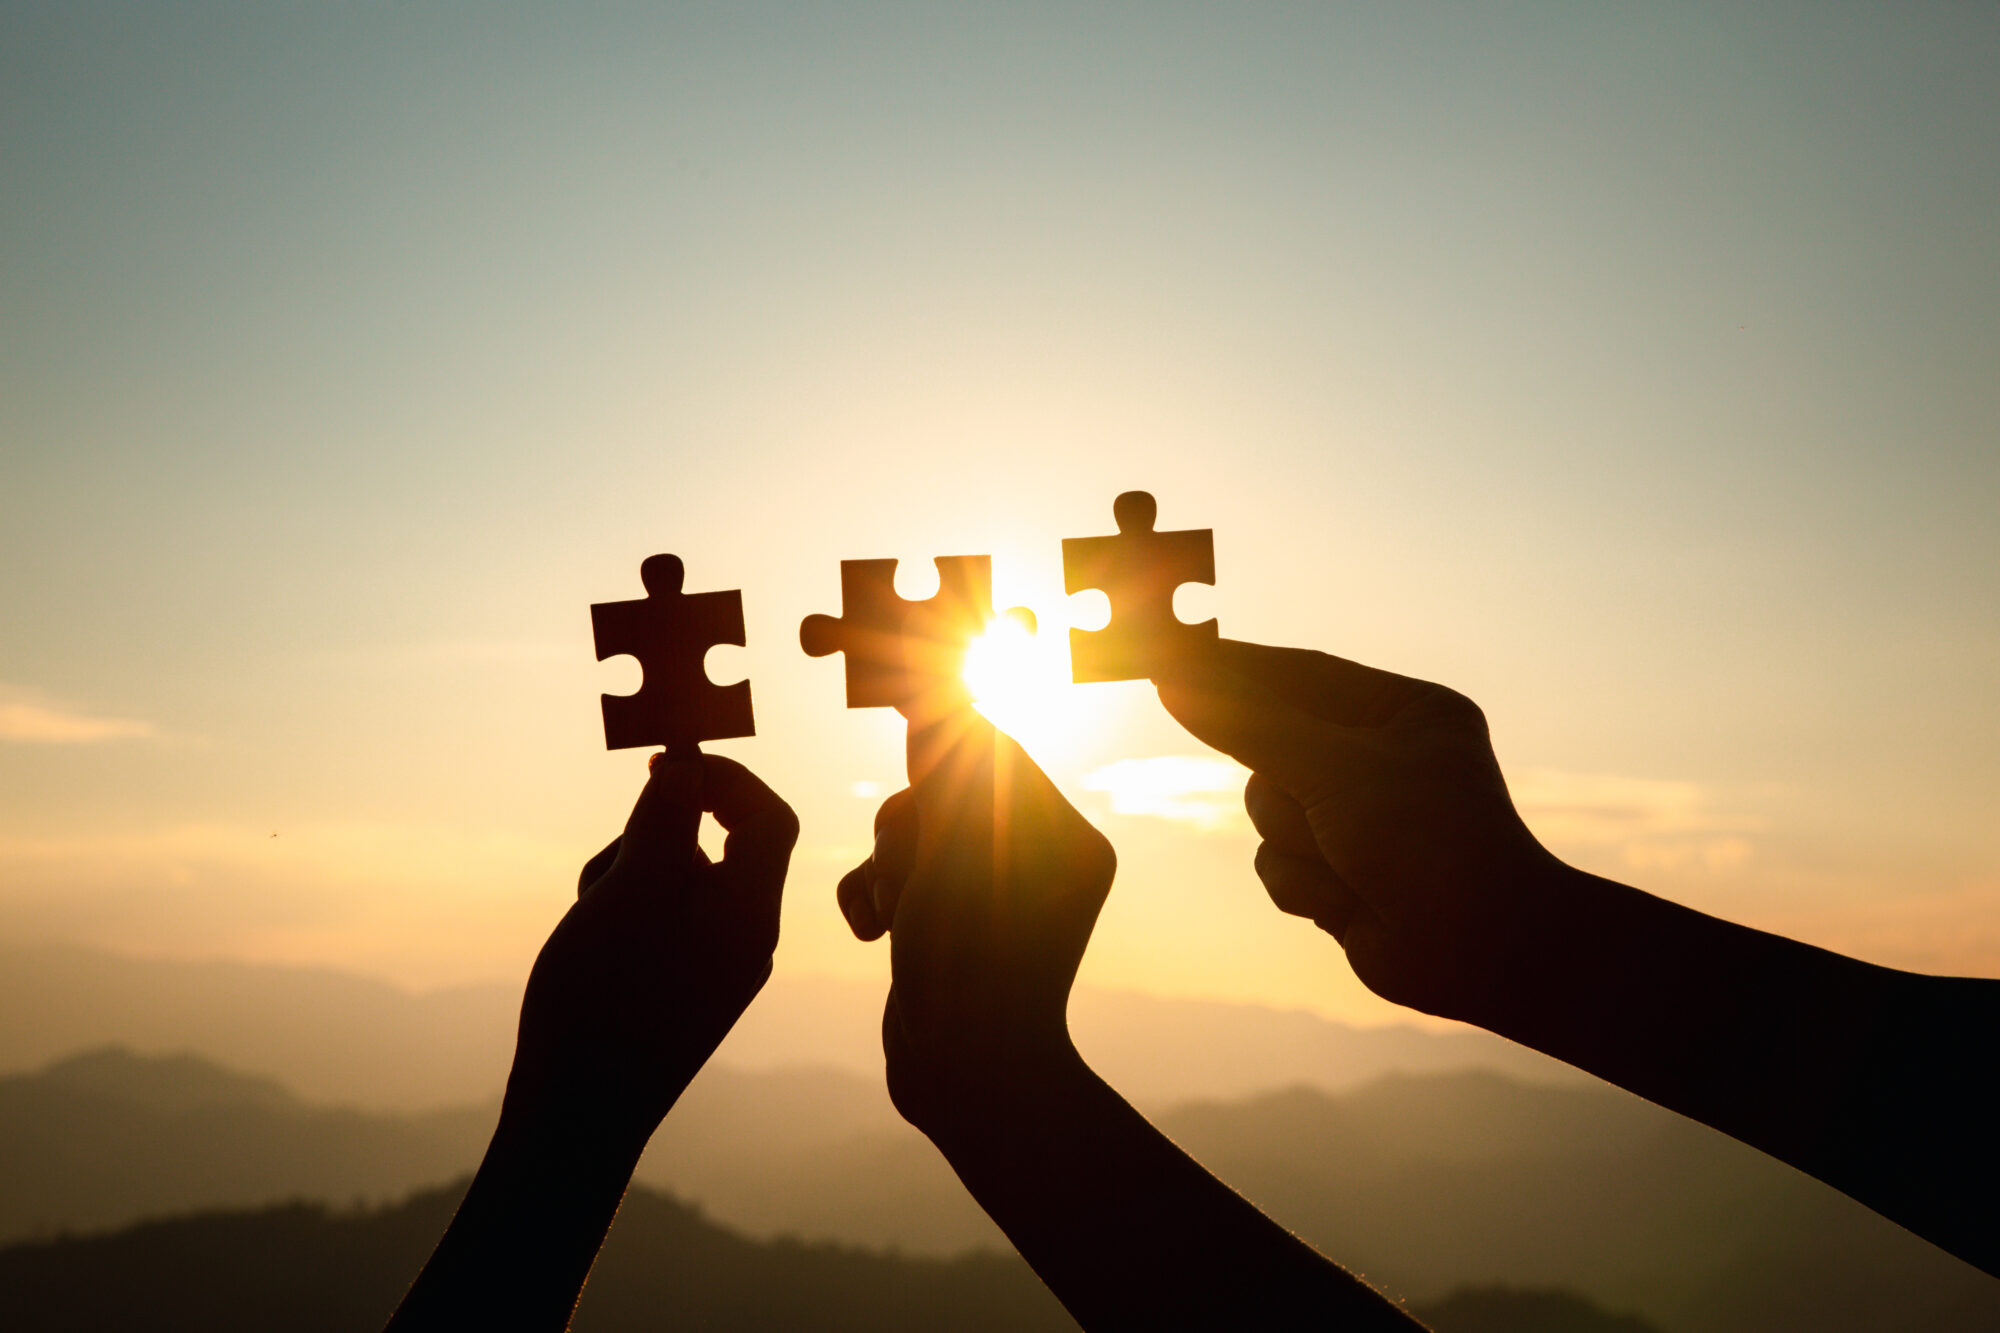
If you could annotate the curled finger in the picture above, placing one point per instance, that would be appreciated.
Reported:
(1278, 818)
(760, 828)
(660, 836)
(896, 836)
(594, 868)
(855, 895)
(1304, 886)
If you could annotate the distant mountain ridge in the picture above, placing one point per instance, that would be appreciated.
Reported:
(329, 1036)
(171, 1083)
(105, 1137)
(1423, 1183)
(350, 1040)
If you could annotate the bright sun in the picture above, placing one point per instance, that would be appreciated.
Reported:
(1019, 681)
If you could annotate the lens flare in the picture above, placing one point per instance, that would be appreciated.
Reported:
(1000, 663)
(1020, 681)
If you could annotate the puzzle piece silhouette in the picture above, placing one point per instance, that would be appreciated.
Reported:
(1138, 569)
(670, 632)
(896, 649)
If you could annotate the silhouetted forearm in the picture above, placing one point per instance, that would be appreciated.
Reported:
(1126, 1229)
(518, 1250)
(1876, 1081)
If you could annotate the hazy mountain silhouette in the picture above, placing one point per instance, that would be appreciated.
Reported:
(305, 1269)
(1424, 1184)
(105, 1137)
(338, 1038)
(330, 1036)
(108, 1137)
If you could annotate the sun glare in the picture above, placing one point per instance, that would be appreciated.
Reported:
(1020, 682)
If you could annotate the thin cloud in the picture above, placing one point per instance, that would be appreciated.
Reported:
(1653, 823)
(1650, 824)
(1950, 932)
(1189, 789)
(29, 719)
(457, 654)
(402, 854)
(430, 903)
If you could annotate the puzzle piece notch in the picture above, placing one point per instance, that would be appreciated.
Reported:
(670, 632)
(897, 649)
(1138, 570)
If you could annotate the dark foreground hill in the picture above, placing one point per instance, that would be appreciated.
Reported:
(302, 1268)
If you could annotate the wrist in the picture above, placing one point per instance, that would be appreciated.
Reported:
(592, 1130)
(981, 1087)
(1585, 964)
(529, 1227)
(1512, 954)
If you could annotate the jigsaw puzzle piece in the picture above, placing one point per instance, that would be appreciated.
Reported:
(1138, 569)
(670, 632)
(897, 650)
(868, 631)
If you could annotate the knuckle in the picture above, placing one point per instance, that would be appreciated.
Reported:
(1101, 858)
(1264, 800)
(1458, 709)
(896, 807)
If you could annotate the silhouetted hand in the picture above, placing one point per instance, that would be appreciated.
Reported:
(1385, 819)
(989, 883)
(636, 986)
(1383, 813)
(661, 952)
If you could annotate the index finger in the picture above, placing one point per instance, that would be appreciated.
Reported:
(761, 829)
(896, 836)
(1246, 720)
(1330, 688)
(666, 819)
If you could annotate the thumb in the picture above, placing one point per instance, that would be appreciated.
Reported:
(661, 835)
(949, 755)
(1305, 755)
(960, 764)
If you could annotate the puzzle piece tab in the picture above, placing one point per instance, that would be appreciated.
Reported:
(1138, 569)
(897, 649)
(670, 632)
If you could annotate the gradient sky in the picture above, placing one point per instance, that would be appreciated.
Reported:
(1632, 369)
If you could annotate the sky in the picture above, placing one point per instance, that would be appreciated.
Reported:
(1630, 369)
